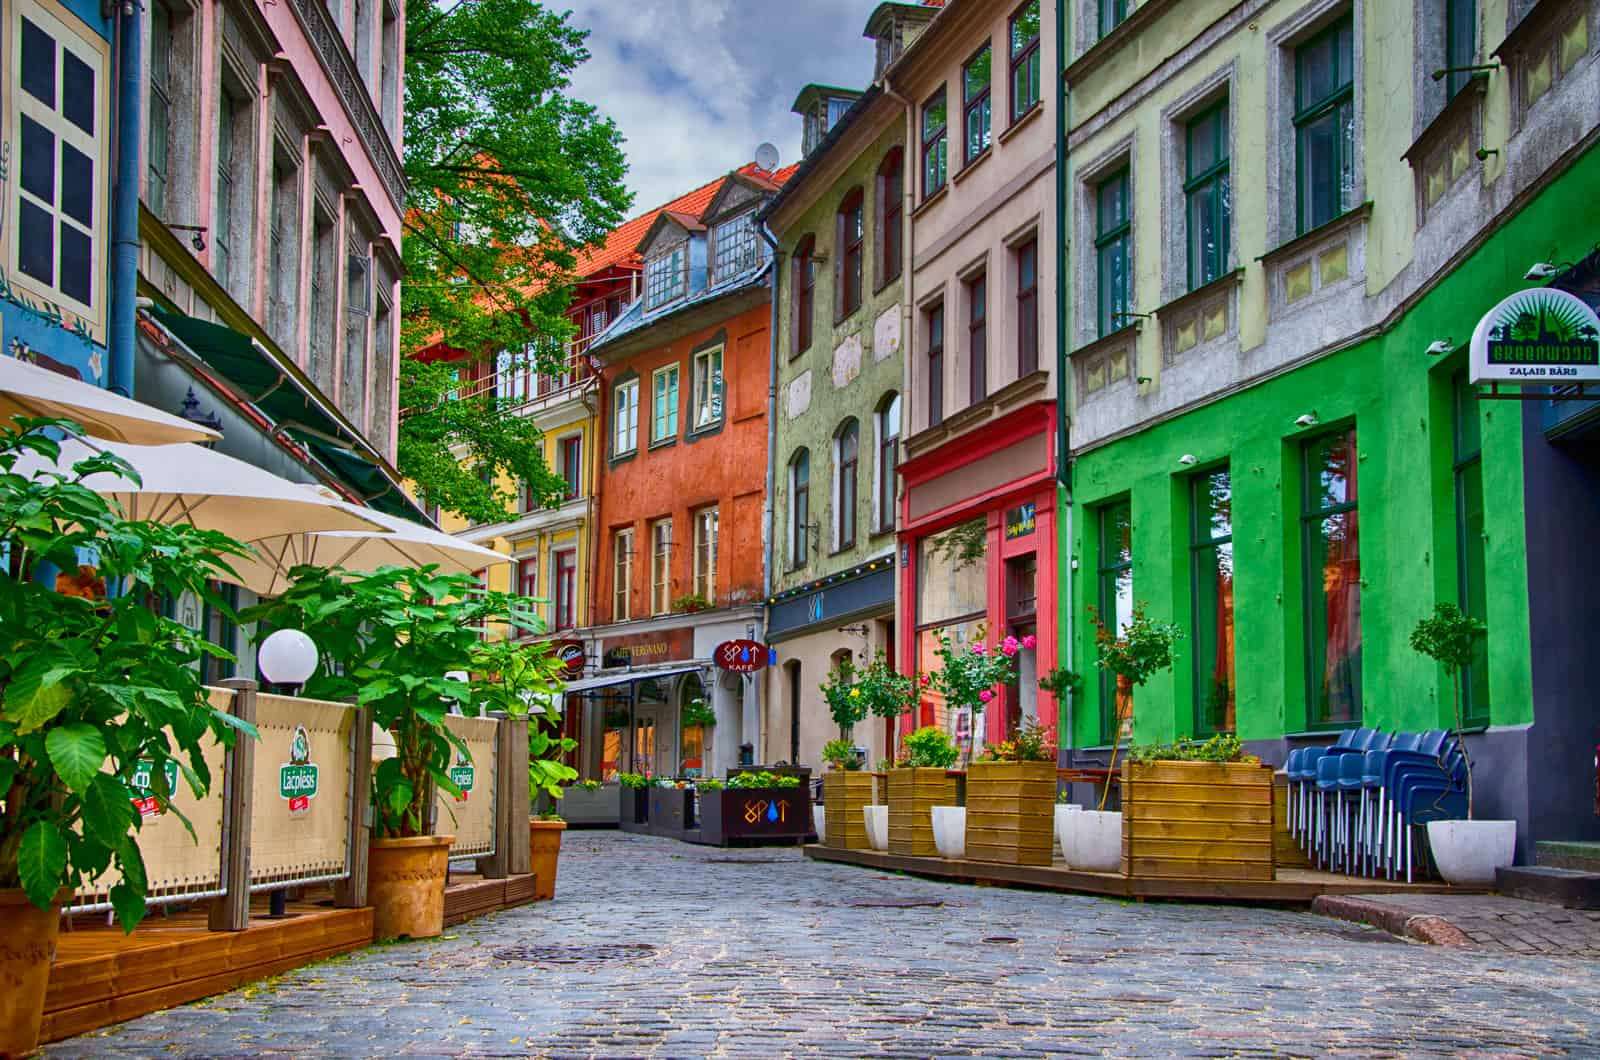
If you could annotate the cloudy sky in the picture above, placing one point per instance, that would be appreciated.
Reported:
(695, 85)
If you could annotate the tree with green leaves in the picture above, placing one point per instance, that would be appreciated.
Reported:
(1449, 637)
(509, 178)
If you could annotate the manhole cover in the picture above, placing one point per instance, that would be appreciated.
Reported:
(896, 903)
(618, 951)
(1001, 940)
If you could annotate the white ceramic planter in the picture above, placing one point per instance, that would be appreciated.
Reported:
(877, 826)
(819, 821)
(1094, 841)
(1064, 815)
(1468, 852)
(950, 831)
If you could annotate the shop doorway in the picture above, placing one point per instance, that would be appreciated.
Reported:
(1022, 622)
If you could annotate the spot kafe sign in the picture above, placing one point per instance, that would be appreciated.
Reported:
(1539, 335)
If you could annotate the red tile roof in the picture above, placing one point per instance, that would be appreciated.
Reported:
(619, 247)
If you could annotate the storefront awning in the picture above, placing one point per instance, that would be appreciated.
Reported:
(285, 400)
(588, 684)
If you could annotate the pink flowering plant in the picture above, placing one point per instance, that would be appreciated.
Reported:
(971, 677)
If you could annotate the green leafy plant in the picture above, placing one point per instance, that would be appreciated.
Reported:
(1029, 742)
(387, 639)
(95, 686)
(633, 781)
(1061, 682)
(689, 603)
(589, 785)
(698, 712)
(853, 693)
(1223, 747)
(762, 779)
(710, 784)
(884, 765)
(970, 677)
(841, 754)
(1064, 797)
(1449, 637)
(549, 815)
(514, 676)
(1135, 653)
(929, 747)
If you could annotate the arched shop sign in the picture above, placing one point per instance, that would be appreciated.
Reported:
(740, 656)
(1540, 335)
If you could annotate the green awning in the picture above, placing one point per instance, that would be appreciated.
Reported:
(283, 397)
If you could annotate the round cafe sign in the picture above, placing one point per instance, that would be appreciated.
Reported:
(1540, 335)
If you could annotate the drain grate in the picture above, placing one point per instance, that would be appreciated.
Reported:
(896, 903)
(593, 954)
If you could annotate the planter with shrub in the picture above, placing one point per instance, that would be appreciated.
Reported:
(846, 790)
(1011, 794)
(1197, 810)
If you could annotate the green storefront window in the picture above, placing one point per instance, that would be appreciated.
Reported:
(1331, 546)
(1116, 596)
(1212, 565)
(1471, 566)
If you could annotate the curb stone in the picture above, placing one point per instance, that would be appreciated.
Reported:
(1433, 930)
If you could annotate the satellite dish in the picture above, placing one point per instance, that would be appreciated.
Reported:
(767, 158)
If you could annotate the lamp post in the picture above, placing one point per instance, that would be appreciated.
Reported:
(286, 657)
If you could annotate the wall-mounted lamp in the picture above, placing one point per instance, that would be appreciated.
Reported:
(1188, 460)
(1483, 153)
(1308, 420)
(1541, 270)
(1441, 348)
(1479, 68)
(1142, 379)
(198, 239)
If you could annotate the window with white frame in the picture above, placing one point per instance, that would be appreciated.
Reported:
(666, 276)
(661, 566)
(735, 247)
(625, 418)
(707, 388)
(60, 128)
(622, 575)
(664, 404)
(705, 555)
(564, 589)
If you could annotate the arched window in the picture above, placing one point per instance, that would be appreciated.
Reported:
(851, 230)
(799, 508)
(804, 285)
(847, 455)
(891, 212)
(888, 459)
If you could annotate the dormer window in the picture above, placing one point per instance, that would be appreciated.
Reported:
(734, 247)
(821, 108)
(666, 276)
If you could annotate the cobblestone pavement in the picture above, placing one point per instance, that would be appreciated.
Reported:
(1492, 921)
(763, 953)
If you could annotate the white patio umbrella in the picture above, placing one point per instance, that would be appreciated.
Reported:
(395, 543)
(192, 484)
(28, 390)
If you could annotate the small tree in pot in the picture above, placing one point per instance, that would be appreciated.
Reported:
(95, 688)
(388, 640)
(1137, 652)
(1467, 852)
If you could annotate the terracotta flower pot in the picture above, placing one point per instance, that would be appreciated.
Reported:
(544, 839)
(405, 884)
(27, 948)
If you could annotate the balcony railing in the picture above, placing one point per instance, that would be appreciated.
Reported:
(518, 380)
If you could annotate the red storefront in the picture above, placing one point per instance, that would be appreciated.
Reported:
(978, 559)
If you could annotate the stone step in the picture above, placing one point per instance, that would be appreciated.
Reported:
(1564, 854)
(1570, 888)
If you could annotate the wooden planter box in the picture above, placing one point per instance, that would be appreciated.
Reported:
(1198, 821)
(844, 793)
(912, 794)
(753, 815)
(1011, 812)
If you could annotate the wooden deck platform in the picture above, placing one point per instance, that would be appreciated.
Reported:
(102, 976)
(468, 896)
(1293, 886)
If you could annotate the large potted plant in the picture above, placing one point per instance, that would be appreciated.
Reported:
(390, 640)
(522, 680)
(635, 805)
(1467, 852)
(753, 806)
(920, 786)
(1133, 654)
(1197, 810)
(846, 792)
(95, 686)
(1011, 794)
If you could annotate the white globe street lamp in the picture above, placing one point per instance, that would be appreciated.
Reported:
(287, 657)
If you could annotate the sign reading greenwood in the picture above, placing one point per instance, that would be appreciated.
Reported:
(1538, 335)
(298, 777)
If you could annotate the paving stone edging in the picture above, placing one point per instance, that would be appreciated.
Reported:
(1419, 927)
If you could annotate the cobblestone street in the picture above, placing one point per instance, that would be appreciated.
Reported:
(761, 952)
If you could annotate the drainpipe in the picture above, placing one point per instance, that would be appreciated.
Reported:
(772, 410)
(1064, 557)
(125, 207)
(908, 195)
(590, 398)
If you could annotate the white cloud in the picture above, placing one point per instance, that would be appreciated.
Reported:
(695, 85)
